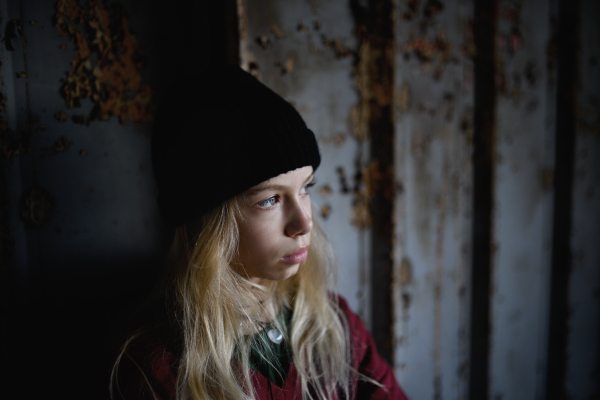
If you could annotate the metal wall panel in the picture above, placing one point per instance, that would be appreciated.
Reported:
(103, 191)
(302, 50)
(522, 216)
(583, 347)
(103, 236)
(105, 217)
(434, 105)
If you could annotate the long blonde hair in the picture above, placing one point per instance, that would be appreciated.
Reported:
(208, 301)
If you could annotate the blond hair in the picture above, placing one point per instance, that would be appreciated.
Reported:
(209, 301)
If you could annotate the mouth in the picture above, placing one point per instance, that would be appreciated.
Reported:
(297, 256)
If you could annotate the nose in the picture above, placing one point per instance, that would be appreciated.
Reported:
(300, 221)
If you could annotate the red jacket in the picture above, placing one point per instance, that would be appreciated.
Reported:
(160, 367)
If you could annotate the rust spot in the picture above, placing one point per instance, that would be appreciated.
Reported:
(113, 80)
(405, 275)
(36, 206)
(469, 49)
(288, 66)
(21, 74)
(432, 8)
(263, 41)
(360, 216)
(60, 116)
(325, 191)
(420, 144)
(337, 46)
(63, 47)
(413, 6)
(435, 51)
(406, 301)
(547, 179)
(61, 145)
(83, 152)
(253, 69)
(277, 32)
(344, 188)
(325, 211)
(40, 128)
(378, 179)
(316, 25)
(301, 27)
(32, 22)
(512, 40)
(404, 98)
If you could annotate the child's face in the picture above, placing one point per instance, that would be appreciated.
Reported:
(275, 226)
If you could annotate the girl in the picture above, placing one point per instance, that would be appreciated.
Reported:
(247, 308)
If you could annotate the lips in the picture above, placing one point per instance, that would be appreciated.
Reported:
(297, 256)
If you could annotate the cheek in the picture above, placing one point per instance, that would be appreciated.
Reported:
(258, 243)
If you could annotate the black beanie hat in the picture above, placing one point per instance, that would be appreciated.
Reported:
(217, 138)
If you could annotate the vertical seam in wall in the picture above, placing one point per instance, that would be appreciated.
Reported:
(483, 187)
(374, 65)
(566, 109)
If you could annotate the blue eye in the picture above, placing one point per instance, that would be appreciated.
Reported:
(308, 186)
(270, 202)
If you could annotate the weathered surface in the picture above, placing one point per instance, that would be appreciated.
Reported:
(81, 213)
(434, 106)
(583, 347)
(522, 215)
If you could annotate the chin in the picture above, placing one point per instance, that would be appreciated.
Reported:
(284, 274)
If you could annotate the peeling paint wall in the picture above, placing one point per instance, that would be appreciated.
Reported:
(460, 174)
(463, 175)
(434, 106)
(522, 230)
(81, 216)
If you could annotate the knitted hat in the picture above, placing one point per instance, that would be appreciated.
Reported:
(217, 138)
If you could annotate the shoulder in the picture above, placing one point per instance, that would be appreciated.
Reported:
(148, 369)
(367, 361)
(360, 338)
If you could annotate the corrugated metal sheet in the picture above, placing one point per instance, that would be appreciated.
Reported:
(522, 218)
(100, 188)
(95, 197)
(434, 106)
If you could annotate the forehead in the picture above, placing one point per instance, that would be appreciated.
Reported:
(289, 179)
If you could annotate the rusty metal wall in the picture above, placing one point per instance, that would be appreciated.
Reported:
(79, 210)
(494, 180)
(437, 215)
(434, 106)
(522, 202)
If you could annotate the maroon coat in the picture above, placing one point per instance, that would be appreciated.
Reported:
(160, 367)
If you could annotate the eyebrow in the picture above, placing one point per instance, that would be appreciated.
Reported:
(259, 189)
